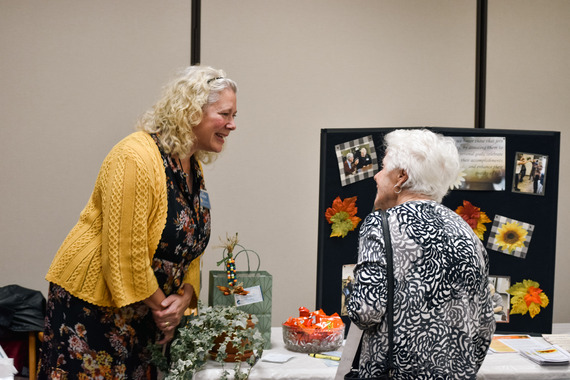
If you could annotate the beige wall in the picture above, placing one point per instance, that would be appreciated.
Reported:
(74, 78)
(75, 75)
(528, 87)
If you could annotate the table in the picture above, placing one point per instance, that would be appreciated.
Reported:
(504, 366)
(507, 366)
(300, 366)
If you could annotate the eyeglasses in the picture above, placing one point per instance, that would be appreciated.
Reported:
(213, 79)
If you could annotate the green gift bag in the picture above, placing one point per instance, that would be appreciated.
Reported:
(260, 285)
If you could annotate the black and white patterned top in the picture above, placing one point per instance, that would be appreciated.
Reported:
(443, 315)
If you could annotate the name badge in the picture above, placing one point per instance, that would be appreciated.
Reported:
(204, 199)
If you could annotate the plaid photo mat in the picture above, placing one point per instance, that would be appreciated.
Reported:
(352, 146)
(492, 243)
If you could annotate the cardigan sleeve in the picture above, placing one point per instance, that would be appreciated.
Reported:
(127, 203)
(192, 276)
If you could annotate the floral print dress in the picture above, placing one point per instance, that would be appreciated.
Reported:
(86, 341)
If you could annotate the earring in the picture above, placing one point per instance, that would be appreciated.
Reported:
(399, 191)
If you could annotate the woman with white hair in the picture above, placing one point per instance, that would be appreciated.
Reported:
(443, 315)
(349, 164)
(128, 270)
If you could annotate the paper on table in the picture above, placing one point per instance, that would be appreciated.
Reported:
(498, 347)
(562, 340)
(552, 355)
(497, 344)
(276, 358)
(522, 342)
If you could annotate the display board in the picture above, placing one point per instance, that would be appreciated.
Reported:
(510, 175)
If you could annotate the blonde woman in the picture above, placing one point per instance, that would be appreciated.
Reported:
(129, 268)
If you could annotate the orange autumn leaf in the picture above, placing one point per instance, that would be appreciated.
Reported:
(240, 291)
(532, 295)
(233, 290)
(342, 216)
(474, 217)
(224, 289)
(348, 206)
(527, 297)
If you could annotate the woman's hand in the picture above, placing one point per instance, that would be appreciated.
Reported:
(171, 312)
(167, 312)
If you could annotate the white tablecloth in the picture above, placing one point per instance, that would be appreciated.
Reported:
(513, 366)
(301, 366)
(504, 366)
(507, 366)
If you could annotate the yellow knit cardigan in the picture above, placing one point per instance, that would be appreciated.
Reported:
(106, 258)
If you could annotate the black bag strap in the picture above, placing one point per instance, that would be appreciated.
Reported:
(390, 282)
(390, 303)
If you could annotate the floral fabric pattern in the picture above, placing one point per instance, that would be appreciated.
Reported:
(187, 230)
(443, 317)
(85, 341)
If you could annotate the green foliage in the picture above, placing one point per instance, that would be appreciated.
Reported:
(193, 341)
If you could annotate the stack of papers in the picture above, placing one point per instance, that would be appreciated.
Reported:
(552, 355)
(535, 349)
(561, 340)
(515, 343)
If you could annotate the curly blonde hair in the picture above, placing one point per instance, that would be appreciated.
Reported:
(174, 116)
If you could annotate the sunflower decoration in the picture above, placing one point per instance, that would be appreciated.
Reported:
(527, 296)
(474, 217)
(459, 181)
(342, 216)
(511, 236)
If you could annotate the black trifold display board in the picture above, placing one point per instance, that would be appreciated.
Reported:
(538, 211)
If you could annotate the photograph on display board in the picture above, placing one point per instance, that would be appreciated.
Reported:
(347, 282)
(530, 173)
(357, 160)
(498, 286)
(482, 163)
(510, 236)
